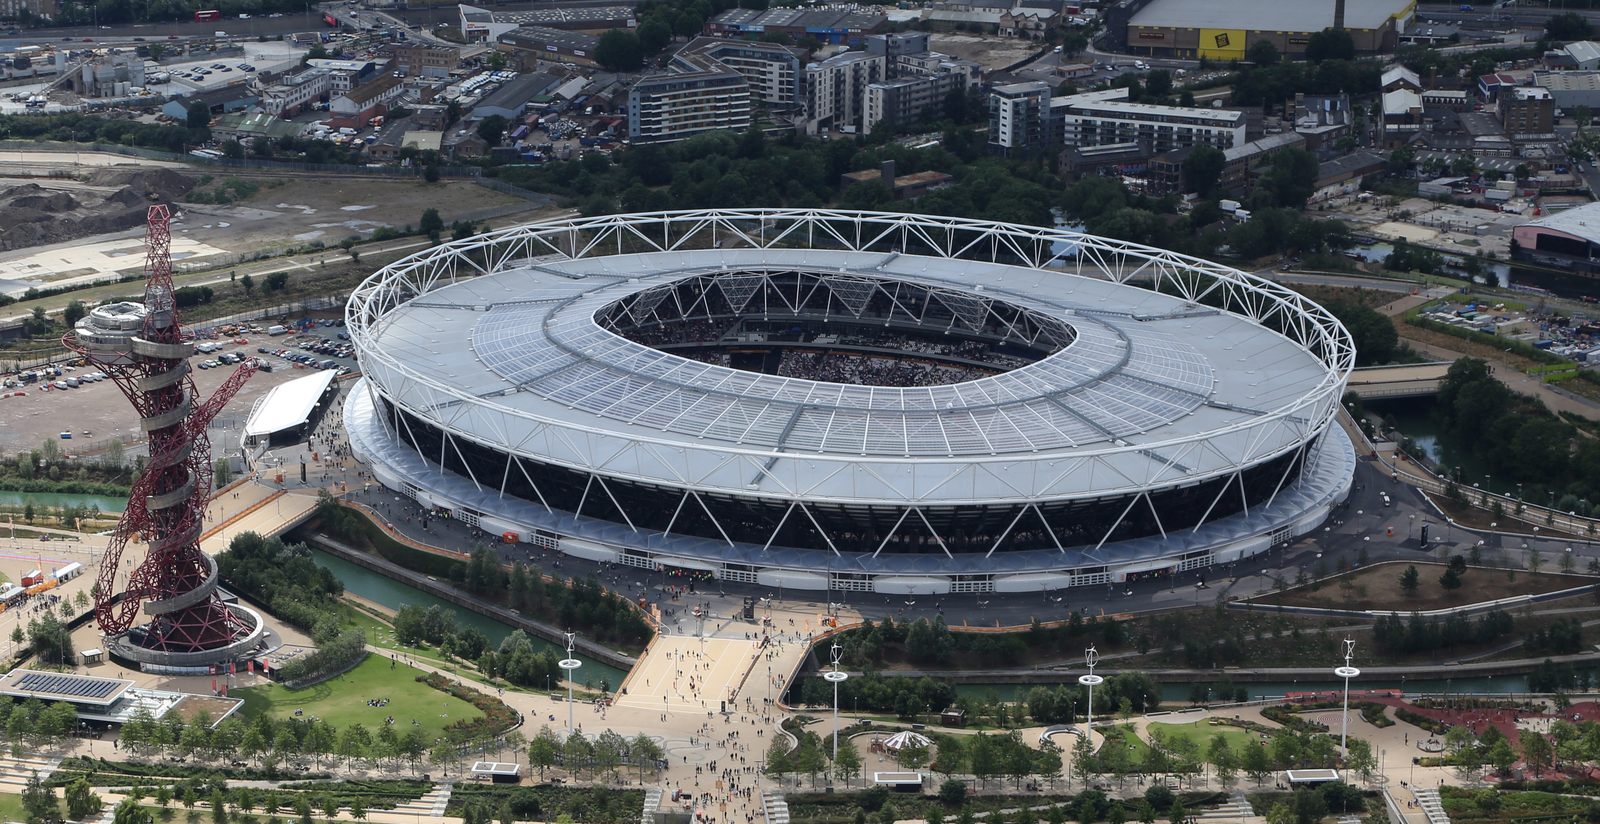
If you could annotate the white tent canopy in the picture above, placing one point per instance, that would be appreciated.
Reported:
(901, 740)
(288, 405)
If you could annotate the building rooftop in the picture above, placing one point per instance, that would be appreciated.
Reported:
(1401, 101)
(565, 14)
(543, 36)
(1265, 144)
(1583, 51)
(517, 92)
(288, 405)
(813, 19)
(423, 141)
(1582, 222)
(1569, 81)
(1124, 107)
(1267, 15)
(372, 89)
(1401, 73)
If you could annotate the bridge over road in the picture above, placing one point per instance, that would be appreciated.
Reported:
(1412, 380)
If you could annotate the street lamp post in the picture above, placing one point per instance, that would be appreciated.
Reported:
(569, 665)
(835, 677)
(1090, 657)
(1346, 672)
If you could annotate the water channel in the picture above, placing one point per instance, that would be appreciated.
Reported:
(394, 595)
(106, 503)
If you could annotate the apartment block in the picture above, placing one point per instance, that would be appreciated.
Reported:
(772, 70)
(836, 90)
(1017, 119)
(700, 95)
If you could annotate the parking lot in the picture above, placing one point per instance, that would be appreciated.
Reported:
(94, 412)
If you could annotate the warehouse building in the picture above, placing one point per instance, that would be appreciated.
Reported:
(1568, 239)
(479, 24)
(1225, 31)
(827, 25)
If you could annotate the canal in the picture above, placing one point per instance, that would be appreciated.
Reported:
(1178, 693)
(394, 595)
(105, 503)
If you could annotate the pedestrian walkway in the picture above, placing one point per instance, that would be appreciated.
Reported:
(15, 770)
(1431, 805)
(776, 808)
(1236, 809)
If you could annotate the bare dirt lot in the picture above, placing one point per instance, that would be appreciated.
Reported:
(989, 52)
(294, 212)
(1378, 587)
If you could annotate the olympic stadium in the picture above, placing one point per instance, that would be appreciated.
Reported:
(861, 401)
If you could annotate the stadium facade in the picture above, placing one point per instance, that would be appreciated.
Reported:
(845, 400)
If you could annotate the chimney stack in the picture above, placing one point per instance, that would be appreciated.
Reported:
(886, 173)
(1338, 15)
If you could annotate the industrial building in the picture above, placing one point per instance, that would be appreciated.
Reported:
(831, 26)
(426, 60)
(1568, 239)
(479, 24)
(547, 43)
(1225, 31)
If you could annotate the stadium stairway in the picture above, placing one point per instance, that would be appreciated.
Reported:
(777, 809)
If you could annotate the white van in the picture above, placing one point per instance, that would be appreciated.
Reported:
(275, 331)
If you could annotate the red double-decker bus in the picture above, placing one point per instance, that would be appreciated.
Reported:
(209, 14)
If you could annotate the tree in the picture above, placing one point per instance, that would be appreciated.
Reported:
(1409, 580)
(847, 766)
(1330, 44)
(431, 224)
(1256, 763)
(219, 808)
(1536, 750)
(1450, 579)
(233, 149)
(1263, 53)
(198, 116)
(1582, 116)
(39, 802)
(619, 50)
(1292, 178)
(654, 34)
(129, 812)
(1568, 26)
(74, 312)
(543, 750)
(277, 281)
(1361, 759)
(492, 129)
(247, 283)
(911, 757)
(1202, 169)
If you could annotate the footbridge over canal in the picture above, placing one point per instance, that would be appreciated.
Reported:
(1412, 380)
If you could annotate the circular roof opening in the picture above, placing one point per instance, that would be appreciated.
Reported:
(836, 327)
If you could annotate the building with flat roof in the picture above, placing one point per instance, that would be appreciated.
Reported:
(512, 98)
(836, 90)
(772, 70)
(419, 59)
(480, 24)
(293, 92)
(1017, 119)
(551, 44)
(829, 25)
(1225, 31)
(699, 95)
(1527, 113)
(1162, 128)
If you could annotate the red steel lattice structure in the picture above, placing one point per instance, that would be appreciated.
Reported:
(176, 584)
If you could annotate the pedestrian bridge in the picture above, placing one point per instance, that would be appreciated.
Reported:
(1413, 380)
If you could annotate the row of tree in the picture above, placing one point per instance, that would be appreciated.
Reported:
(1417, 633)
(295, 588)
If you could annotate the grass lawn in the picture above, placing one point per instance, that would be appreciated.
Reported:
(1378, 587)
(1127, 738)
(343, 701)
(11, 807)
(1201, 733)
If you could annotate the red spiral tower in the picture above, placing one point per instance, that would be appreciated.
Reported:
(145, 349)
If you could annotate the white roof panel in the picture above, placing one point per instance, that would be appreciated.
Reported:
(288, 404)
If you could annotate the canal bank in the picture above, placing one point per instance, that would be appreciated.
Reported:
(352, 568)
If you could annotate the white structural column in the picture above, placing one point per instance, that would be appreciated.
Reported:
(569, 665)
(1090, 657)
(835, 677)
(1346, 672)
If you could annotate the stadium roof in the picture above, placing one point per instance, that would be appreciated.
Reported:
(288, 405)
(1142, 368)
(1582, 222)
(1266, 15)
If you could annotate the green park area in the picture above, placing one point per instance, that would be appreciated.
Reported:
(1200, 734)
(343, 701)
(11, 808)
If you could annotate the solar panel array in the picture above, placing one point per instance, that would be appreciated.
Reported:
(76, 686)
(1119, 377)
